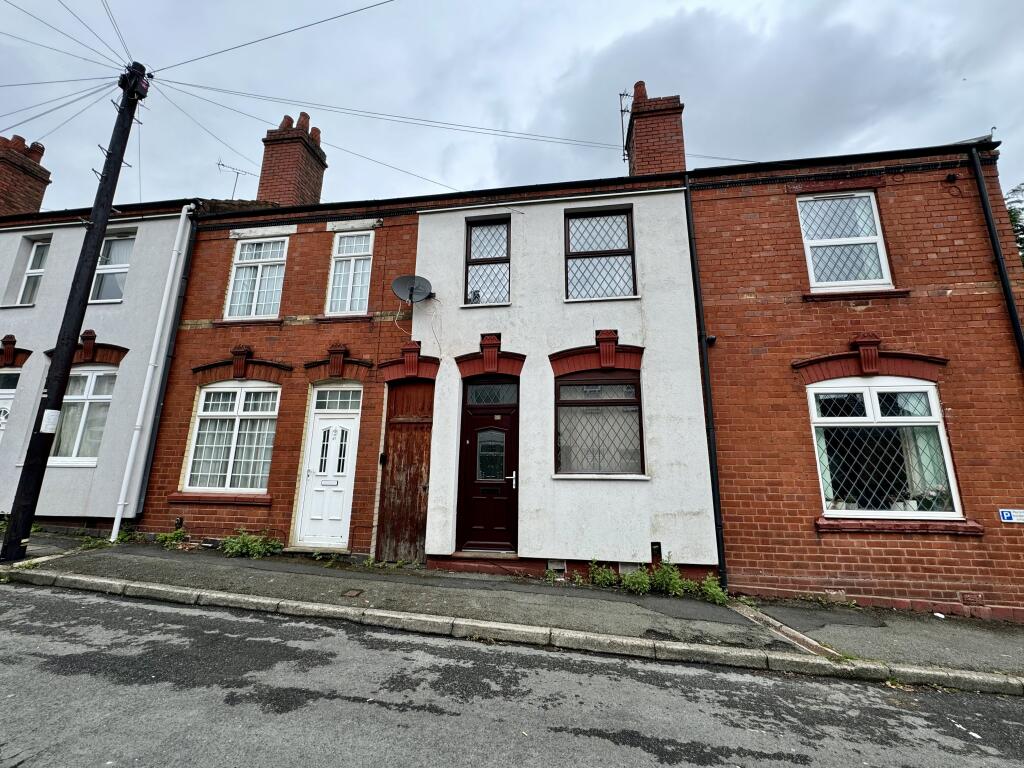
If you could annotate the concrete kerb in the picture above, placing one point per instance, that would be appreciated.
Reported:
(869, 671)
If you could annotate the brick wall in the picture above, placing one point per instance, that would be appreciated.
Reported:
(293, 164)
(23, 180)
(654, 140)
(754, 278)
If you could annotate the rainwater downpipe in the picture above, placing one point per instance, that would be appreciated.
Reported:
(705, 376)
(997, 251)
(155, 353)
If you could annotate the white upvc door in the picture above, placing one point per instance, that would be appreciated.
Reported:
(5, 412)
(326, 506)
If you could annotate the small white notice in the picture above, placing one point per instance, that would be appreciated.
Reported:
(48, 426)
(1011, 515)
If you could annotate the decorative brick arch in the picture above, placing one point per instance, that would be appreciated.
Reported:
(12, 356)
(490, 359)
(90, 351)
(338, 365)
(241, 365)
(606, 354)
(867, 359)
(411, 365)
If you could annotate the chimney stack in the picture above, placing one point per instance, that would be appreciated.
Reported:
(293, 164)
(654, 140)
(22, 179)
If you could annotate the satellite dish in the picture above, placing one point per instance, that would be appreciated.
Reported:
(412, 288)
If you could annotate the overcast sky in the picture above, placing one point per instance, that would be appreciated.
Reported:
(760, 81)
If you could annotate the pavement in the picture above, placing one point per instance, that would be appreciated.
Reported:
(795, 636)
(93, 680)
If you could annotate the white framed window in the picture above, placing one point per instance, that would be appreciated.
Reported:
(843, 242)
(112, 270)
(233, 437)
(8, 384)
(349, 289)
(882, 450)
(256, 279)
(34, 273)
(83, 417)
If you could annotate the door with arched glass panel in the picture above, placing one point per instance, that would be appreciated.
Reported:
(487, 516)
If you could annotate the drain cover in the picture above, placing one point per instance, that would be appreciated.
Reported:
(354, 593)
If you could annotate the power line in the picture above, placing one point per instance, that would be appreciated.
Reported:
(52, 109)
(138, 144)
(50, 101)
(117, 29)
(271, 37)
(94, 32)
(326, 143)
(203, 127)
(58, 50)
(54, 82)
(103, 95)
(62, 32)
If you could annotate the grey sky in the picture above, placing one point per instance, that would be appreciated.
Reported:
(760, 80)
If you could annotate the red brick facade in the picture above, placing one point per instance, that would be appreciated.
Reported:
(293, 164)
(654, 141)
(23, 180)
(945, 320)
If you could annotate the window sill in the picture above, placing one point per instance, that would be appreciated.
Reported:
(635, 297)
(17, 306)
(881, 293)
(484, 306)
(230, 499)
(353, 318)
(88, 463)
(960, 527)
(106, 301)
(596, 476)
(248, 321)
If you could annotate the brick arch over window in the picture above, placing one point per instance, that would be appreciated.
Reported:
(490, 359)
(338, 365)
(411, 365)
(90, 351)
(12, 356)
(606, 354)
(241, 365)
(867, 359)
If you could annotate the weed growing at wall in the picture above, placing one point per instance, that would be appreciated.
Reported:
(251, 545)
(173, 539)
(638, 582)
(602, 575)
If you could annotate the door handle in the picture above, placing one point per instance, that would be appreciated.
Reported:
(513, 479)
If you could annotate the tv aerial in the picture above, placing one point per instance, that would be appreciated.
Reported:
(412, 288)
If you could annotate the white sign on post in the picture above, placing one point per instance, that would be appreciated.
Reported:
(48, 425)
(1011, 515)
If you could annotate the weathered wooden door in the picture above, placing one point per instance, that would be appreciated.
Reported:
(402, 520)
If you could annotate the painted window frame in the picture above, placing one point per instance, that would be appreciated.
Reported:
(870, 388)
(353, 258)
(882, 284)
(7, 398)
(112, 269)
(88, 397)
(613, 376)
(487, 221)
(236, 263)
(598, 212)
(240, 388)
(31, 272)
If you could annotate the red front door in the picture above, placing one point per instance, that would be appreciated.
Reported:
(487, 517)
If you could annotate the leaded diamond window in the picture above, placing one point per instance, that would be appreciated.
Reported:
(843, 242)
(882, 450)
(487, 261)
(491, 394)
(598, 423)
(599, 255)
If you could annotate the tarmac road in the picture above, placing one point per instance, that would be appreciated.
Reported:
(87, 680)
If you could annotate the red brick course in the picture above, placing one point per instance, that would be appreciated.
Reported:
(23, 180)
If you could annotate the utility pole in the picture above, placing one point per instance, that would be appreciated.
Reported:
(135, 86)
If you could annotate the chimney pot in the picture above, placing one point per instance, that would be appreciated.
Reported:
(286, 123)
(303, 123)
(640, 91)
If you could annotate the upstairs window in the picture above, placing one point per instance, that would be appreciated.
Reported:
(882, 449)
(599, 258)
(34, 273)
(843, 242)
(83, 417)
(256, 279)
(487, 261)
(597, 423)
(349, 288)
(112, 270)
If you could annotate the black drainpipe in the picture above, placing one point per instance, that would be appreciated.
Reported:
(997, 251)
(176, 321)
(705, 377)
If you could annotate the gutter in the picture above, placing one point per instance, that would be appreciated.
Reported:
(705, 376)
(997, 252)
(180, 249)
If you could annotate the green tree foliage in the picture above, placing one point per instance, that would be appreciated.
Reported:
(1015, 204)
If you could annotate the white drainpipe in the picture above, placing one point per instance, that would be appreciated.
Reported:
(155, 353)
